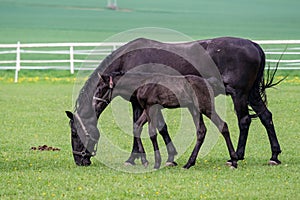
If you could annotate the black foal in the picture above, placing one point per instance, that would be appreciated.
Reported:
(189, 91)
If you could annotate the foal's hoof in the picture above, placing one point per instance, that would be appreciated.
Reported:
(185, 167)
(274, 162)
(171, 164)
(156, 167)
(232, 167)
(231, 164)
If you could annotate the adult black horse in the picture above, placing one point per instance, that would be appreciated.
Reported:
(240, 65)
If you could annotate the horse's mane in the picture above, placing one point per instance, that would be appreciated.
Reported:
(86, 93)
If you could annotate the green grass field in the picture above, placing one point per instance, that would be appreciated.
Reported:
(90, 21)
(32, 111)
(32, 114)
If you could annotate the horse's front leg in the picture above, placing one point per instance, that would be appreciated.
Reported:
(241, 107)
(163, 130)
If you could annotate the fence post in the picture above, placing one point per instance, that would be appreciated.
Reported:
(72, 59)
(18, 61)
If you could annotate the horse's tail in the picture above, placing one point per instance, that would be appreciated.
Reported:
(262, 82)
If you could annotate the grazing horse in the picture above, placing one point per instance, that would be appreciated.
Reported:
(240, 65)
(150, 90)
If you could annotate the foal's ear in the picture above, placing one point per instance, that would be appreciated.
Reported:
(70, 115)
(100, 77)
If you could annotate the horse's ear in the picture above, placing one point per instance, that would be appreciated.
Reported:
(70, 115)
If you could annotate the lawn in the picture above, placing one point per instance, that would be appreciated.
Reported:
(32, 114)
(32, 111)
(90, 21)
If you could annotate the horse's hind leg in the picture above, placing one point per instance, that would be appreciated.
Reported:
(265, 117)
(163, 130)
(240, 101)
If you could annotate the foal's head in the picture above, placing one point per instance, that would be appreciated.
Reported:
(103, 94)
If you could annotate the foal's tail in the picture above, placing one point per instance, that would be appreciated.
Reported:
(262, 82)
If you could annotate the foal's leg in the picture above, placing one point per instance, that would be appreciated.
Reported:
(135, 153)
(152, 124)
(137, 134)
(201, 132)
(137, 130)
(265, 117)
(223, 128)
(163, 130)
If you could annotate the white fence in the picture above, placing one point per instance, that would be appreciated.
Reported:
(70, 56)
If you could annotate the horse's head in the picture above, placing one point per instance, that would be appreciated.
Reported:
(82, 142)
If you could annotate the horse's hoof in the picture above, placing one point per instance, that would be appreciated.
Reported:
(186, 166)
(171, 164)
(146, 164)
(128, 163)
(229, 163)
(274, 162)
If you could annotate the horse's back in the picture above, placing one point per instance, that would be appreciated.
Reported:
(238, 61)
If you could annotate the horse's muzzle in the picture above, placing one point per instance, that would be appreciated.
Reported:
(82, 161)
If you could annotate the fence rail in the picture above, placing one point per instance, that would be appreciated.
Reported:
(70, 56)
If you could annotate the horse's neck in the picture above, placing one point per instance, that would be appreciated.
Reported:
(84, 104)
(86, 110)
